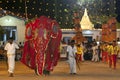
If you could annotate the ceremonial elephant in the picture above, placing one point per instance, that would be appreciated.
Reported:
(41, 47)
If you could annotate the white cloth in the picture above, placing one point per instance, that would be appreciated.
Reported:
(95, 54)
(11, 63)
(71, 58)
(11, 48)
(71, 51)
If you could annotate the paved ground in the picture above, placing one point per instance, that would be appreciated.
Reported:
(88, 71)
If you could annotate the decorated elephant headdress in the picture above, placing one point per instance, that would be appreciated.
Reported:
(41, 47)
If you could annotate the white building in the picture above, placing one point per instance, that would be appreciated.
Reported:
(14, 28)
(17, 27)
(67, 34)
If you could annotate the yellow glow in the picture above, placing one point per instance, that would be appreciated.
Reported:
(34, 2)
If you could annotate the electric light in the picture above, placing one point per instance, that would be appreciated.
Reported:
(53, 10)
(46, 9)
(40, 9)
(19, 7)
(60, 4)
(47, 4)
(34, 2)
(33, 8)
(6, 7)
(7, 1)
(53, 4)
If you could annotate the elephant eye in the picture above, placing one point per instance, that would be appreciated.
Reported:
(29, 32)
(55, 29)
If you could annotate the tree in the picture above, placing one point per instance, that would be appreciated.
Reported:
(1, 32)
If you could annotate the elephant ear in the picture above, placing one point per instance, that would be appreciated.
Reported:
(55, 29)
(28, 32)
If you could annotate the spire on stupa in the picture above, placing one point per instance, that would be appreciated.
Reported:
(85, 21)
(85, 13)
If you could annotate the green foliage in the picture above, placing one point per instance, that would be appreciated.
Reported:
(118, 25)
(1, 32)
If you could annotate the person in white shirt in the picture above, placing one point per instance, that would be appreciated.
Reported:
(95, 52)
(10, 48)
(71, 54)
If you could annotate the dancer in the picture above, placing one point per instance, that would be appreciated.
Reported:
(114, 53)
(79, 53)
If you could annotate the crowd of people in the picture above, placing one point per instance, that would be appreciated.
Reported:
(106, 52)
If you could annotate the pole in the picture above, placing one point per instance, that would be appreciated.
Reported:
(26, 14)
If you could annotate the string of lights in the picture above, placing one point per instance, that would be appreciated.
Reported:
(61, 10)
(26, 10)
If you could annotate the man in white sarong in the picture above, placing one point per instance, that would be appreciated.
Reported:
(71, 54)
(10, 47)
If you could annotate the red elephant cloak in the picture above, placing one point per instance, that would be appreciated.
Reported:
(41, 48)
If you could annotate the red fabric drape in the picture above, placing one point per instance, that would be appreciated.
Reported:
(28, 56)
(40, 36)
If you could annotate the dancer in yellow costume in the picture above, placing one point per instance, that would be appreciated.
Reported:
(114, 54)
(79, 52)
(113, 50)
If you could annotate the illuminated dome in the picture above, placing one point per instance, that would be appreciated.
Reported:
(85, 21)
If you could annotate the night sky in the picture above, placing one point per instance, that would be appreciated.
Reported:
(61, 10)
(35, 7)
(118, 10)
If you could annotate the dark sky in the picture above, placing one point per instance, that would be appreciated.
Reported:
(61, 10)
(45, 7)
(118, 10)
(34, 7)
